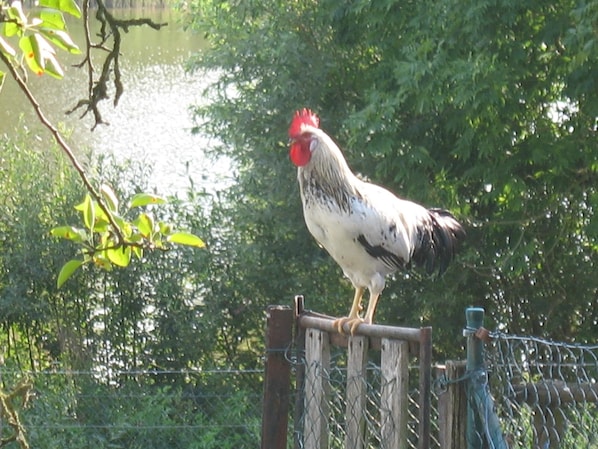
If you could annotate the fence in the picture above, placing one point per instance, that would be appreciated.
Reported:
(362, 391)
(546, 392)
(343, 401)
(519, 391)
(156, 409)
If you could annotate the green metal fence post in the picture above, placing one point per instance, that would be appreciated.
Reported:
(483, 425)
(475, 363)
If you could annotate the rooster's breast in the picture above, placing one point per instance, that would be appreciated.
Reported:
(349, 232)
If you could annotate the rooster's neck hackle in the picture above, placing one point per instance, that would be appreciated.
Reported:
(327, 177)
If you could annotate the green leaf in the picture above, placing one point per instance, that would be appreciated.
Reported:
(67, 271)
(2, 76)
(109, 197)
(87, 207)
(16, 12)
(102, 261)
(145, 224)
(119, 256)
(138, 252)
(11, 29)
(68, 6)
(7, 49)
(186, 238)
(69, 233)
(31, 53)
(61, 39)
(52, 19)
(53, 67)
(145, 199)
(40, 56)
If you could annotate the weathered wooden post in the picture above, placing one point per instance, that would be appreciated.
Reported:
(277, 382)
(452, 407)
(356, 392)
(394, 395)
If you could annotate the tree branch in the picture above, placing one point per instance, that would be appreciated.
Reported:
(65, 147)
(110, 27)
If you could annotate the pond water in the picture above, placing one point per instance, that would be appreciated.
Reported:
(152, 121)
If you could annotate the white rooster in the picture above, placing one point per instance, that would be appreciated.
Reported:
(366, 229)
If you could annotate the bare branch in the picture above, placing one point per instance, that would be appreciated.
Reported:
(110, 28)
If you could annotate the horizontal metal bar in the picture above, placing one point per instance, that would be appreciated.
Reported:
(324, 323)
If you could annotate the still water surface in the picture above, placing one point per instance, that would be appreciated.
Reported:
(152, 121)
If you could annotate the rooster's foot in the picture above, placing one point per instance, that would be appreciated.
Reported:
(352, 322)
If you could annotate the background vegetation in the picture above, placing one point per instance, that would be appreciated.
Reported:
(488, 109)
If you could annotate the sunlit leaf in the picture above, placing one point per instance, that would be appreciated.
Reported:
(119, 256)
(68, 6)
(61, 39)
(40, 56)
(53, 67)
(126, 228)
(138, 252)
(2, 76)
(67, 271)
(7, 49)
(145, 199)
(31, 53)
(11, 29)
(145, 224)
(102, 222)
(87, 207)
(69, 233)
(165, 228)
(102, 262)
(186, 238)
(52, 19)
(15, 12)
(109, 197)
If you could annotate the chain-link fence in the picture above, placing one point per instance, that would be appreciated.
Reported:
(374, 414)
(546, 393)
(545, 397)
(134, 409)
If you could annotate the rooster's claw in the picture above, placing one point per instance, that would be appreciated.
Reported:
(353, 323)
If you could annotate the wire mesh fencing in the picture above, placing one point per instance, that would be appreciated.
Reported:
(546, 392)
(136, 409)
(338, 407)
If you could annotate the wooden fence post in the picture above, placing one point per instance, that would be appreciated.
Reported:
(277, 382)
(425, 387)
(356, 392)
(394, 395)
(452, 407)
(317, 360)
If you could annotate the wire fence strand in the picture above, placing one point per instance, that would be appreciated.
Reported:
(545, 396)
(545, 392)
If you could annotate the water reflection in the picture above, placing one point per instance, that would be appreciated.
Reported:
(152, 121)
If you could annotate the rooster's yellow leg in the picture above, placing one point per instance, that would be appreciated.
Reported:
(353, 314)
(369, 313)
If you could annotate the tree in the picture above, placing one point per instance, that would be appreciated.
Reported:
(487, 109)
(109, 237)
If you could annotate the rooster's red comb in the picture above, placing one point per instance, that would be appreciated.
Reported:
(303, 117)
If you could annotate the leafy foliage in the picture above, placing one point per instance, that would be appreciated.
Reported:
(487, 109)
(38, 35)
(109, 239)
(146, 315)
(105, 248)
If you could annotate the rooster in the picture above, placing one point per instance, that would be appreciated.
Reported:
(366, 229)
